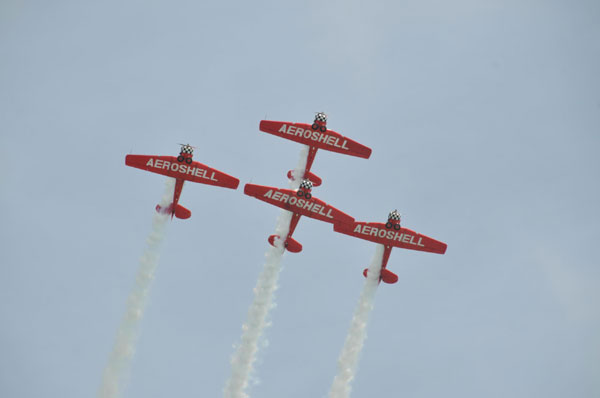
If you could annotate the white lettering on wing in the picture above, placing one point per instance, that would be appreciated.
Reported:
(181, 168)
(308, 205)
(317, 136)
(387, 234)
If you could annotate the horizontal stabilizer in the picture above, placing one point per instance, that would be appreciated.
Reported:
(309, 176)
(182, 213)
(385, 275)
(179, 212)
(290, 244)
(293, 246)
(164, 210)
(388, 276)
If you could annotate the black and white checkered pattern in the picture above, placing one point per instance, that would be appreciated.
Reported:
(394, 215)
(321, 117)
(187, 149)
(306, 184)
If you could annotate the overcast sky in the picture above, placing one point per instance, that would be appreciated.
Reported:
(483, 118)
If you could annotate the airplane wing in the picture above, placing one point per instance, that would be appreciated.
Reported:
(195, 172)
(404, 238)
(288, 200)
(304, 134)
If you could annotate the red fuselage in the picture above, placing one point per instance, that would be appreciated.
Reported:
(182, 158)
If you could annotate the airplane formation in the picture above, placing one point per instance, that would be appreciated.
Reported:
(299, 202)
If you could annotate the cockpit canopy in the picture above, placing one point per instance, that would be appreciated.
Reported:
(188, 149)
(321, 117)
(306, 184)
(394, 215)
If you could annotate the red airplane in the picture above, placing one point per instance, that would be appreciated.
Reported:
(315, 136)
(182, 168)
(391, 235)
(301, 203)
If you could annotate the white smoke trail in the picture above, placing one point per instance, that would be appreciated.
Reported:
(116, 370)
(243, 359)
(348, 360)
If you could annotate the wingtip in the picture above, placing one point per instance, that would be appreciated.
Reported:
(444, 248)
(249, 189)
(366, 152)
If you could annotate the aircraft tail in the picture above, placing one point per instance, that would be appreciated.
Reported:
(386, 276)
(179, 211)
(316, 180)
(291, 245)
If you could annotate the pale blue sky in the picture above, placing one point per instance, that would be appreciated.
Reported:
(483, 117)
